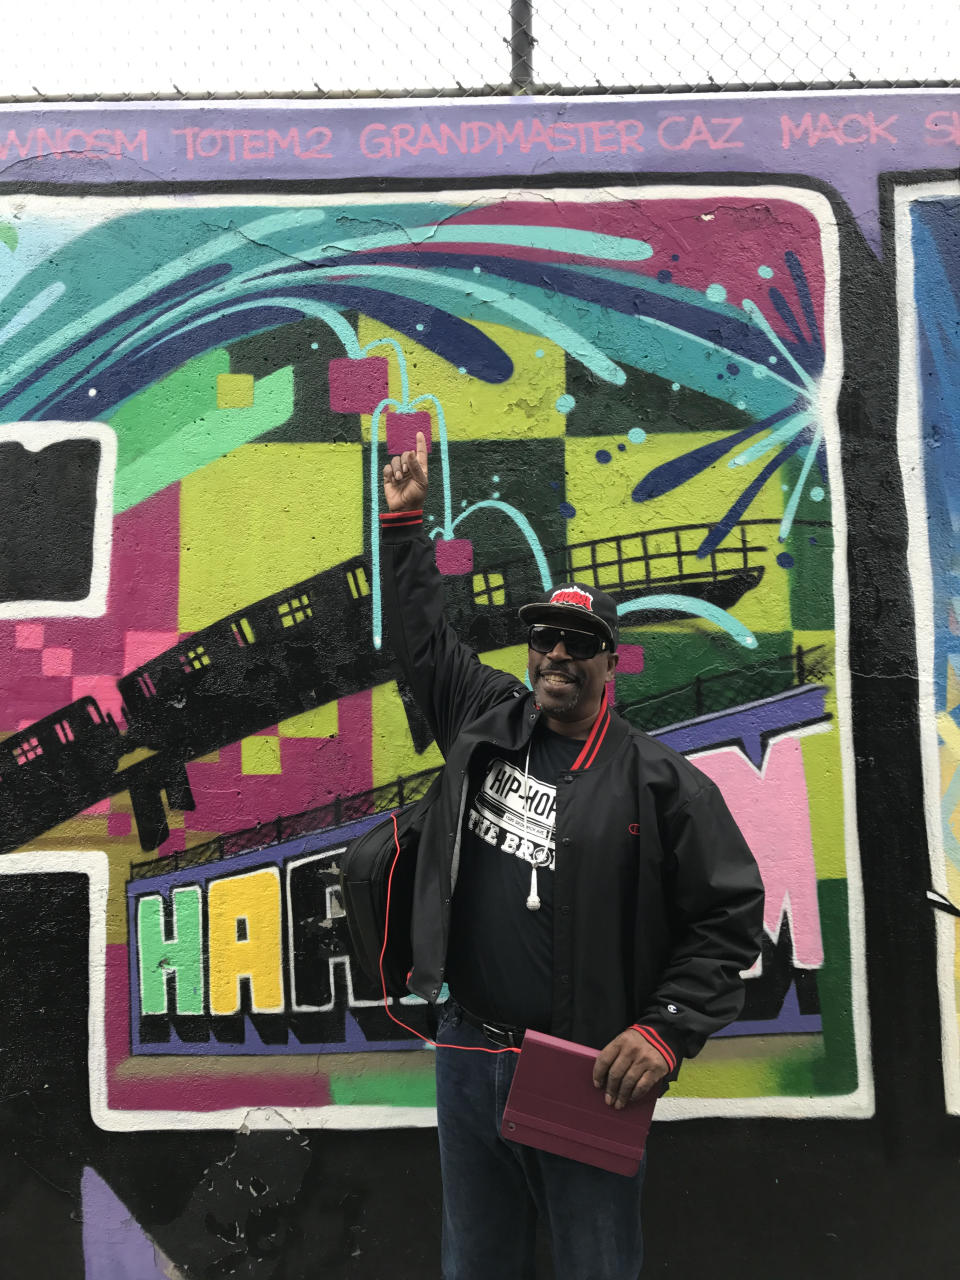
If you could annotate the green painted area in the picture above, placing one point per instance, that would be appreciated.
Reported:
(8, 236)
(146, 420)
(647, 401)
(836, 1070)
(811, 577)
(823, 772)
(386, 1088)
(203, 440)
(692, 672)
(184, 957)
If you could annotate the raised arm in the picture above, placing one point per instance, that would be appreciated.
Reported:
(451, 685)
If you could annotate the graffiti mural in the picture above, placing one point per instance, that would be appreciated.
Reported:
(634, 387)
(929, 296)
(699, 351)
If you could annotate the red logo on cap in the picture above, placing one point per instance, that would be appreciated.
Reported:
(572, 595)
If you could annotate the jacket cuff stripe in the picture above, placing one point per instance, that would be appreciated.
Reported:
(588, 745)
(649, 1034)
(393, 519)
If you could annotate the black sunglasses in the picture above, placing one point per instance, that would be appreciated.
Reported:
(580, 645)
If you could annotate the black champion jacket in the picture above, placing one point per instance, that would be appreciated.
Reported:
(658, 903)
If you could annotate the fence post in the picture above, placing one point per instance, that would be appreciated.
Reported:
(521, 45)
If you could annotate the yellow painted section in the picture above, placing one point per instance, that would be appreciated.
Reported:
(259, 520)
(822, 764)
(747, 1067)
(949, 732)
(260, 755)
(393, 754)
(255, 899)
(824, 775)
(953, 687)
(320, 722)
(601, 497)
(234, 390)
(522, 408)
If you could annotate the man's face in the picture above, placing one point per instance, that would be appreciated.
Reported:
(569, 688)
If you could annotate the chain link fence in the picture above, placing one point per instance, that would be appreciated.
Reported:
(441, 48)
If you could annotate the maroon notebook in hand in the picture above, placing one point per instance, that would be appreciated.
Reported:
(553, 1106)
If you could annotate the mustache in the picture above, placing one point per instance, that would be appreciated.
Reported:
(545, 669)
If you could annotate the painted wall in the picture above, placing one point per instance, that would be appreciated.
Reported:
(662, 346)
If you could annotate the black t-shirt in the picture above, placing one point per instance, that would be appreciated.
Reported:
(500, 956)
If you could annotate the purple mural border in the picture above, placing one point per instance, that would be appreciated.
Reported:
(844, 140)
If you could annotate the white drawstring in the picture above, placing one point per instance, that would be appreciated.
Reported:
(533, 898)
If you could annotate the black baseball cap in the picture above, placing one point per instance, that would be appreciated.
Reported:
(575, 605)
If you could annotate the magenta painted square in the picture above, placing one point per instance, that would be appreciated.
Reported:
(358, 386)
(631, 660)
(402, 431)
(119, 824)
(454, 556)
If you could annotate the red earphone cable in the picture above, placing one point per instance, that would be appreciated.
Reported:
(383, 982)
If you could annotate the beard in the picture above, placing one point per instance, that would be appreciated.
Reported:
(563, 700)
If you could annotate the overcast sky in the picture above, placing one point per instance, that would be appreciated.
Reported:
(121, 46)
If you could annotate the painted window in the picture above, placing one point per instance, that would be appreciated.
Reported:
(146, 684)
(28, 749)
(64, 731)
(488, 588)
(294, 611)
(243, 633)
(195, 659)
(359, 586)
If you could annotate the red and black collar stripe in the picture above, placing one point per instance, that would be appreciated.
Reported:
(597, 734)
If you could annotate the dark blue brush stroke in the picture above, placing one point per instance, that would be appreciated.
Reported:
(449, 337)
(669, 475)
(785, 312)
(698, 319)
(126, 378)
(799, 277)
(732, 517)
(187, 287)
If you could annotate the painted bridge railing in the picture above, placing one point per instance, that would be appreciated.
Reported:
(338, 812)
(705, 695)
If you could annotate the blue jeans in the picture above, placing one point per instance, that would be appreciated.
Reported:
(493, 1190)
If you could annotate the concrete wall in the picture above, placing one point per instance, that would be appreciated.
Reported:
(698, 351)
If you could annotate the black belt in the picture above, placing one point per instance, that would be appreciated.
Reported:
(505, 1037)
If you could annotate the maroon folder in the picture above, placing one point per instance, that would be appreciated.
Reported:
(554, 1106)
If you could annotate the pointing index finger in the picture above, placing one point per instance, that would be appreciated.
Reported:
(422, 453)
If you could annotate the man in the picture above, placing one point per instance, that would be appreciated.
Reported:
(574, 876)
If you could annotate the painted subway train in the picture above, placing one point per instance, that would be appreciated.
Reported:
(287, 653)
(55, 768)
(284, 654)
